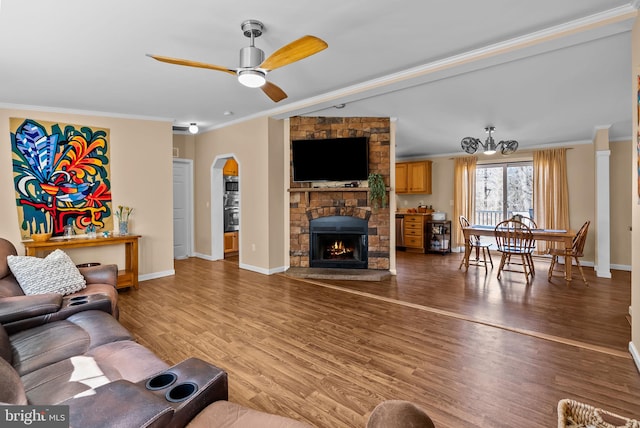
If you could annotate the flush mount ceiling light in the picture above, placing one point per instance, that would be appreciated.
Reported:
(489, 147)
(251, 78)
(192, 128)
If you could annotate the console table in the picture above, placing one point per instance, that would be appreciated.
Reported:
(126, 278)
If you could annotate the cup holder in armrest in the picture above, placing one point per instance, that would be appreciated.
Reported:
(197, 384)
(161, 381)
(84, 302)
(181, 392)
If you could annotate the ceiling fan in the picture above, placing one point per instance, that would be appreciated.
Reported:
(253, 67)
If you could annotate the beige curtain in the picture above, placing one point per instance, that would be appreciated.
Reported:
(464, 194)
(550, 191)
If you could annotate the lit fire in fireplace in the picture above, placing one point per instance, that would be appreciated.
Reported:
(338, 250)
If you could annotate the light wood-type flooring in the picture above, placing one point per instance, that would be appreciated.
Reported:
(471, 350)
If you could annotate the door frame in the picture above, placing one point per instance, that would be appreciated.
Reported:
(189, 208)
(217, 209)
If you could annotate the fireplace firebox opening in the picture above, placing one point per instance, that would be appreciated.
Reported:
(338, 242)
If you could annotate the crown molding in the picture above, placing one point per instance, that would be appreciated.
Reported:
(50, 109)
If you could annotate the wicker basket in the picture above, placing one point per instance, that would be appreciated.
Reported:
(573, 414)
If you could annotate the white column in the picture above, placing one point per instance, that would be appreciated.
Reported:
(603, 216)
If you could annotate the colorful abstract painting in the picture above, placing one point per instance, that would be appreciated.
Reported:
(61, 176)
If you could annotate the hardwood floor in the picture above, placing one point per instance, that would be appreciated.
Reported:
(472, 351)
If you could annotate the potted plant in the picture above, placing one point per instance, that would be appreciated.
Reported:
(377, 191)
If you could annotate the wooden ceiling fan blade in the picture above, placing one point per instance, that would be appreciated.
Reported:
(273, 91)
(294, 51)
(190, 63)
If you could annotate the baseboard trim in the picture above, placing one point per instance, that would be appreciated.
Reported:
(263, 271)
(611, 266)
(635, 355)
(205, 257)
(621, 267)
(154, 275)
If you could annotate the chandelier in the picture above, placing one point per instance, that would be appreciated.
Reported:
(489, 147)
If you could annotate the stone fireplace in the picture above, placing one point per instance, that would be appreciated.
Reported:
(313, 206)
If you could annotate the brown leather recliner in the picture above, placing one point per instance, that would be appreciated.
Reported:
(38, 309)
(92, 364)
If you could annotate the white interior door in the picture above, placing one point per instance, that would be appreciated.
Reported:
(182, 208)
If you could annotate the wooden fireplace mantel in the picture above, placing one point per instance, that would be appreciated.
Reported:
(307, 190)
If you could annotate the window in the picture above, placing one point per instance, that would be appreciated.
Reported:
(503, 190)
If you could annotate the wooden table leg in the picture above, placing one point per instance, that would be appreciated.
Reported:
(134, 262)
(568, 242)
(467, 251)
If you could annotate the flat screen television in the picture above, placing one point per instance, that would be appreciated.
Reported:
(332, 159)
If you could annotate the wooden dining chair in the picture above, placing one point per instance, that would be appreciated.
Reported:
(514, 238)
(573, 253)
(476, 244)
(531, 224)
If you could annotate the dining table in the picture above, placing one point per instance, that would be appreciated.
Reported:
(552, 235)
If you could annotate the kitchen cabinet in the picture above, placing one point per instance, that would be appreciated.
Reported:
(438, 238)
(230, 168)
(413, 177)
(230, 242)
(402, 185)
(414, 232)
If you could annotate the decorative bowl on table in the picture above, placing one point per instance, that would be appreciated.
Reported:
(40, 237)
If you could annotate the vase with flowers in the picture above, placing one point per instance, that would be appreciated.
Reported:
(123, 213)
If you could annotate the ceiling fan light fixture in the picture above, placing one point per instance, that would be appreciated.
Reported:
(252, 78)
(193, 128)
(489, 147)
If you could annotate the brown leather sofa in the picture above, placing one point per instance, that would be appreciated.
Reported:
(101, 281)
(92, 364)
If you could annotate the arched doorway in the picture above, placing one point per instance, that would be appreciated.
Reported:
(218, 205)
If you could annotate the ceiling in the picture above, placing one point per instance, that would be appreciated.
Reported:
(543, 73)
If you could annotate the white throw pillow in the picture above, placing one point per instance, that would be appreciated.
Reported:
(56, 273)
